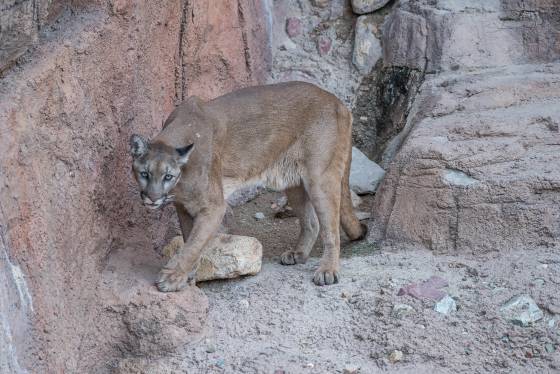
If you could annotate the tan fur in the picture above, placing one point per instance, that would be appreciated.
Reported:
(290, 136)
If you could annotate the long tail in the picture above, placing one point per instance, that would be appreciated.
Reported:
(350, 223)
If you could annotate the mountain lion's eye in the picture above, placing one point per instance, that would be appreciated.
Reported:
(144, 174)
(168, 177)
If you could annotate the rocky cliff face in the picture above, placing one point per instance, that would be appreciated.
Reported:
(457, 100)
(476, 164)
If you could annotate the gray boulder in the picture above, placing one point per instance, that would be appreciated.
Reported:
(365, 174)
(367, 6)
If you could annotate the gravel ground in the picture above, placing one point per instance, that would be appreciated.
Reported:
(279, 322)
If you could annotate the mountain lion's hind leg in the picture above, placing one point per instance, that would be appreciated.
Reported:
(309, 226)
(325, 197)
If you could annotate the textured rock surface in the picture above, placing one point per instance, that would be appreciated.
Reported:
(382, 106)
(365, 175)
(143, 321)
(321, 51)
(367, 48)
(223, 47)
(367, 6)
(480, 169)
(405, 40)
(227, 256)
(475, 164)
(21, 23)
(67, 201)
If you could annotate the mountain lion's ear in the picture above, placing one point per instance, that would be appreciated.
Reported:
(138, 146)
(184, 153)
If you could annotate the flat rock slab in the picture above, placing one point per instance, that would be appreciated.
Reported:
(226, 256)
(429, 289)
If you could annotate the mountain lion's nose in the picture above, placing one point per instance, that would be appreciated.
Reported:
(147, 199)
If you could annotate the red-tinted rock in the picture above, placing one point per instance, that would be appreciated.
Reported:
(324, 44)
(429, 289)
(293, 27)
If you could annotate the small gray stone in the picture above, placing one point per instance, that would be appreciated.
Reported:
(367, 6)
(554, 322)
(447, 305)
(457, 178)
(365, 174)
(356, 200)
(395, 356)
(259, 216)
(244, 303)
(521, 310)
(351, 369)
(549, 347)
(367, 48)
(401, 310)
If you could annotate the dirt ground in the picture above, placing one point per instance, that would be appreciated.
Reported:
(280, 322)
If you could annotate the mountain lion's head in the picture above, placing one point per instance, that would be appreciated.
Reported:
(157, 169)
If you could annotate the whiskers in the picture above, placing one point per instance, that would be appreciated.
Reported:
(168, 199)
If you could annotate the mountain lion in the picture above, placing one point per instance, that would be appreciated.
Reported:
(290, 136)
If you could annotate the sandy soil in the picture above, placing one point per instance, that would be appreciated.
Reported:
(279, 322)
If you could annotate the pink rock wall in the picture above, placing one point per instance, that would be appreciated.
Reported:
(96, 75)
(223, 47)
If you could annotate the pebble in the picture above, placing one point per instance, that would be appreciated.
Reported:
(244, 303)
(395, 356)
(401, 310)
(309, 365)
(447, 305)
(521, 310)
(351, 370)
(345, 294)
(259, 216)
(539, 282)
(549, 347)
(220, 363)
(554, 322)
(210, 348)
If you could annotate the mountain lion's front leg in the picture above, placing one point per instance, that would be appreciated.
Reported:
(181, 268)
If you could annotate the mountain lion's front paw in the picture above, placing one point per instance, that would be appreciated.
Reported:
(325, 277)
(171, 280)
